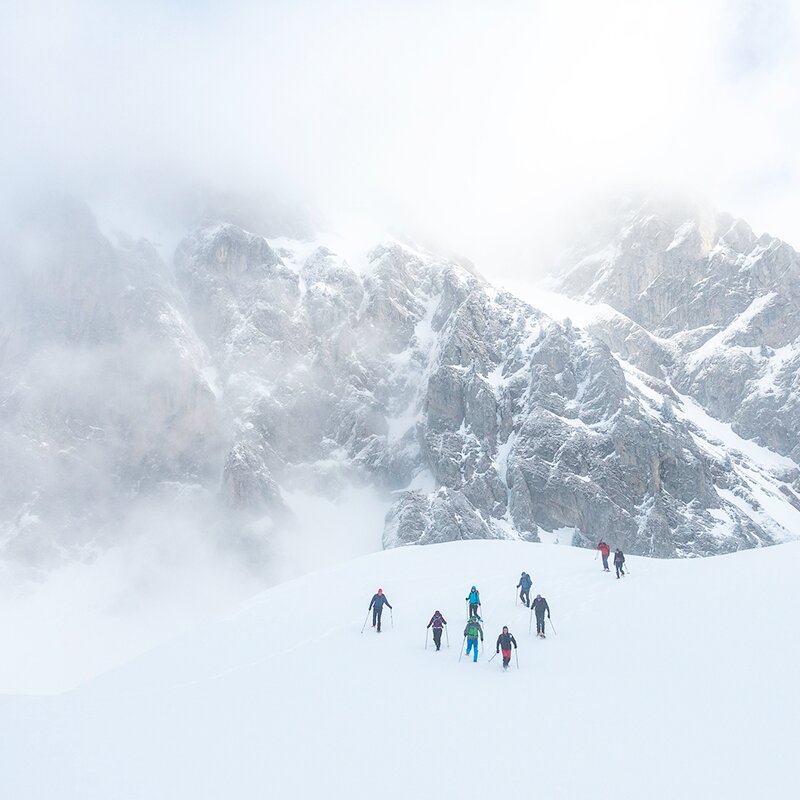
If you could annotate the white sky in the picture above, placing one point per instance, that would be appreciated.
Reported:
(468, 125)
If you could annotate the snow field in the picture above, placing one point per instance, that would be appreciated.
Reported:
(677, 681)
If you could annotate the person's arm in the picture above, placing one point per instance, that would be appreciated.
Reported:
(498, 643)
(547, 609)
(388, 603)
(481, 630)
(371, 603)
(444, 621)
(514, 641)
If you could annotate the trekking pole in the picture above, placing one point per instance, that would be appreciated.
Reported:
(530, 622)
(391, 617)
(516, 596)
(551, 625)
(426, 638)
(365, 622)
(492, 658)
(461, 652)
(447, 635)
(516, 656)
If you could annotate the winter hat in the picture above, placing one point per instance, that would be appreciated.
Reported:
(473, 588)
(538, 597)
(380, 591)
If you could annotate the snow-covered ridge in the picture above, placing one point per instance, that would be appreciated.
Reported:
(646, 663)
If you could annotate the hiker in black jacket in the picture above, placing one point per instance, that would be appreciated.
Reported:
(504, 642)
(619, 560)
(539, 605)
(376, 606)
(438, 622)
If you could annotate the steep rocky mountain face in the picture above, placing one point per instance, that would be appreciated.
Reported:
(250, 368)
(708, 305)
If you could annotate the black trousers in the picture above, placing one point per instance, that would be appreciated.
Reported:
(540, 624)
(437, 637)
(619, 567)
(473, 609)
(376, 616)
(525, 596)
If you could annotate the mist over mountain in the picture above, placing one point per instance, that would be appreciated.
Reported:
(215, 391)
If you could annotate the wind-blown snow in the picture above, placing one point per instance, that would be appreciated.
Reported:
(659, 685)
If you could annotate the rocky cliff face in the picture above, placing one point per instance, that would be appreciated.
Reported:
(250, 368)
(706, 304)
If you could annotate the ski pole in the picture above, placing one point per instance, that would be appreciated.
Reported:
(530, 622)
(596, 551)
(516, 656)
(391, 617)
(426, 638)
(365, 622)
(447, 635)
(461, 652)
(551, 625)
(516, 596)
(492, 658)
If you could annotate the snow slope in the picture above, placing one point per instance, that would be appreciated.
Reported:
(678, 681)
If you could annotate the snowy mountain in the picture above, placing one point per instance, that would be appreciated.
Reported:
(249, 371)
(705, 303)
(656, 685)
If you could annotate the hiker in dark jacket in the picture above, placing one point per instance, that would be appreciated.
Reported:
(376, 606)
(471, 634)
(504, 642)
(437, 622)
(540, 606)
(474, 600)
(619, 560)
(604, 551)
(524, 587)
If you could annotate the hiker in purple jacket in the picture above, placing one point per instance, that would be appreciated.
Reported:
(437, 623)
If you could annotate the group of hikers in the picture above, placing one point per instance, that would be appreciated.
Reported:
(619, 558)
(474, 629)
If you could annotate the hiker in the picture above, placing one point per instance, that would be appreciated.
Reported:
(376, 606)
(524, 587)
(474, 600)
(540, 606)
(472, 632)
(604, 551)
(437, 621)
(504, 642)
(619, 560)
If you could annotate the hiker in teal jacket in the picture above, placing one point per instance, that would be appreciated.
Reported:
(472, 632)
(474, 600)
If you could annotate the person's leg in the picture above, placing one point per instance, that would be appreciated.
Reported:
(506, 657)
(374, 615)
(605, 563)
(470, 644)
(437, 637)
(540, 624)
(380, 612)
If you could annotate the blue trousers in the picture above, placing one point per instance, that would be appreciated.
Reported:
(472, 643)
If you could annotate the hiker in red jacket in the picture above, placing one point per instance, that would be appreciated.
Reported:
(604, 551)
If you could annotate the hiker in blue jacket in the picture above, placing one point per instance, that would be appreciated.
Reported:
(524, 587)
(376, 606)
